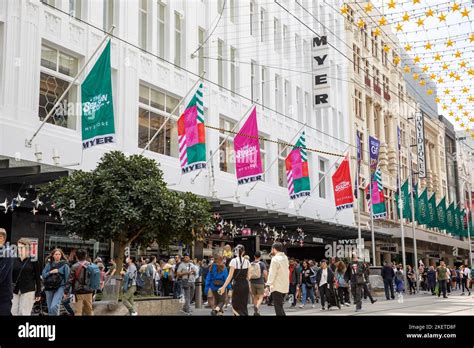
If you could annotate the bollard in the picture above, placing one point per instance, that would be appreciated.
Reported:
(198, 293)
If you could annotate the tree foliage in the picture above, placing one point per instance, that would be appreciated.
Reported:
(126, 200)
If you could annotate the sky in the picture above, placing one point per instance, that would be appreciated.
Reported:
(444, 28)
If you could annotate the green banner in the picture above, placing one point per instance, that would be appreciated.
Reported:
(450, 224)
(422, 216)
(432, 212)
(97, 104)
(441, 214)
(457, 222)
(406, 201)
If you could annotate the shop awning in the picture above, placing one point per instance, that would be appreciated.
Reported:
(252, 216)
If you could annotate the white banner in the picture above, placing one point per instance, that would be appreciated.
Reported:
(320, 63)
(420, 144)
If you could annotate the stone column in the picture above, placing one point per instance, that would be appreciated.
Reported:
(370, 117)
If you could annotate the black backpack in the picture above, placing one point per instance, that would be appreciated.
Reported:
(53, 281)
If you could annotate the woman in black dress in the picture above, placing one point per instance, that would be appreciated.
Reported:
(239, 274)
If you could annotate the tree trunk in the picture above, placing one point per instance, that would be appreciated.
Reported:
(119, 257)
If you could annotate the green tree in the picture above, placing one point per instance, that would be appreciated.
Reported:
(125, 199)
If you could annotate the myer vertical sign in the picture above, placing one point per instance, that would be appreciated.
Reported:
(320, 53)
(420, 144)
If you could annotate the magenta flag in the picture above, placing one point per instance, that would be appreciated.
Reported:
(248, 162)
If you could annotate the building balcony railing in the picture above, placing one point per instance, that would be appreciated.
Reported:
(367, 81)
(386, 96)
(378, 89)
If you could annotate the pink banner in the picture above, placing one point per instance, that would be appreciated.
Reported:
(248, 163)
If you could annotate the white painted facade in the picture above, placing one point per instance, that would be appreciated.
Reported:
(27, 25)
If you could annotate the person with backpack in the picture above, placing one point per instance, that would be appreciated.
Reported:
(26, 280)
(6, 266)
(55, 274)
(129, 286)
(83, 281)
(215, 278)
(306, 284)
(257, 276)
(186, 272)
(343, 283)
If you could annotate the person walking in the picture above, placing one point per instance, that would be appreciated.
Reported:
(411, 280)
(215, 279)
(367, 292)
(129, 286)
(431, 280)
(240, 286)
(258, 276)
(55, 275)
(26, 277)
(399, 282)
(324, 280)
(6, 267)
(278, 277)
(343, 281)
(294, 280)
(442, 278)
(80, 284)
(177, 284)
(387, 275)
(306, 284)
(355, 273)
(186, 272)
(465, 275)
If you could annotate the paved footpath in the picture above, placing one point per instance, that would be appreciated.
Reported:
(420, 304)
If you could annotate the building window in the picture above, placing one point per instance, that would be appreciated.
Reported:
(276, 34)
(299, 104)
(306, 55)
(232, 10)
(384, 55)
(254, 81)
(358, 104)
(263, 31)
(350, 14)
(282, 154)
(286, 42)
(362, 147)
(264, 86)
(322, 179)
(201, 38)
(154, 106)
(75, 8)
(50, 2)
(375, 45)
(227, 162)
(143, 24)
(356, 58)
(386, 84)
(109, 15)
(177, 38)
(263, 153)
(365, 37)
(162, 31)
(287, 96)
(278, 99)
(233, 69)
(58, 70)
(220, 64)
(252, 18)
(307, 106)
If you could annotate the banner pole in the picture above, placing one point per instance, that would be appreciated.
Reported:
(401, 204)
(29, 142)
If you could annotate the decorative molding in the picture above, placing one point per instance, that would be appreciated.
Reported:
(76, 35)
(52, 24)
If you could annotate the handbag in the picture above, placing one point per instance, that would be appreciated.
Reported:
(19, 275)
(53, 281)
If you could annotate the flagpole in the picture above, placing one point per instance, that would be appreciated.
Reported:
(171, 114)
(276, 159)
(29, 142)
(469, 223)
(223, 141)
(359, 231)
(412, 202)
(372, 209)
(401, 202)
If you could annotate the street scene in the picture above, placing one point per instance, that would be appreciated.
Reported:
(208, 158)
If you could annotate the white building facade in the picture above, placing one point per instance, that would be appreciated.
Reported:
(255, 51)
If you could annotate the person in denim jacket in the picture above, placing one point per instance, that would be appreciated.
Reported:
(215, 278)
(55, 275)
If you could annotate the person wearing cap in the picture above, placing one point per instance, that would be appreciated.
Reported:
(258, 277)
(6, 266)
(187, 272)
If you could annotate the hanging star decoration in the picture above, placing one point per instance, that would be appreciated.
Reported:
(34, 211)
(344, 9)
(442, 17)
(406, 17)
(429, 13)
(361, 23)
(465, 13)
(37, 202)
(392, 4)
(437, 57)
(382, 21)
(377, 32)
(19, 199)
(368, 8)
(449, 43)
(408, 47)
(428, 45)
(420, 22)
(5, 205)
(398, 27)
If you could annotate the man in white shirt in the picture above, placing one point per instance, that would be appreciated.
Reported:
(278, 277)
